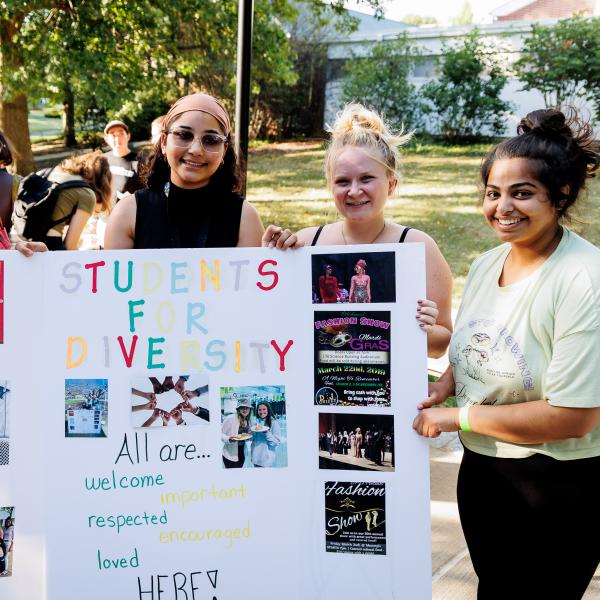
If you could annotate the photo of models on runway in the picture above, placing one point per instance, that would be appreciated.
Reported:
(254, 427)
(356, 442)
(353, 278)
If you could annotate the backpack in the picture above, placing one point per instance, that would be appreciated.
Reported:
(35, 202)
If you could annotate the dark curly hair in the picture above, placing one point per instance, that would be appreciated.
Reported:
(156, 171)
(561, 149)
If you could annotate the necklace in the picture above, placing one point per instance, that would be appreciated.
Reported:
(372, 241)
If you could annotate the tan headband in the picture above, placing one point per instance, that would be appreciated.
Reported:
(201, 102)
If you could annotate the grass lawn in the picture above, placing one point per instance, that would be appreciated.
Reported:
(438, 194)
(43, 127)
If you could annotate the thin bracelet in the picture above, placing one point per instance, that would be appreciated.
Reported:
(463, 418)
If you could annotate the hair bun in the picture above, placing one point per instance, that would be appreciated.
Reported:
(547, 121)
(356, 117)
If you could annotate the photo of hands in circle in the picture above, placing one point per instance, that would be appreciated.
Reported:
(253, 426)
(170, 401)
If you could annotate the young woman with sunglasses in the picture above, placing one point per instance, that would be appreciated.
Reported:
(192, 198)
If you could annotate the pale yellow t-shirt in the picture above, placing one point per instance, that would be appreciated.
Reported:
(536, 339)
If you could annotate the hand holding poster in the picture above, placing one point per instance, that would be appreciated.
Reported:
(180, 421)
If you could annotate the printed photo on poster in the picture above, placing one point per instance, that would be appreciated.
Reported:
(355, 517)
(4, 422)
(169, 401)
(352, 358)
(254, 426)
(7, 536)
(86, 408)
(359, 278)
(356, 442)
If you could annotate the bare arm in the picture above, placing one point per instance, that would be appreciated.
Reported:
(76, 227)
(532, 422)
(251, 227)
(368, 290)
(120, 229)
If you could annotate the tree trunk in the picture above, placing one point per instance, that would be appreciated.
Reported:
(69, 117)
(13, 105)
(16, 128)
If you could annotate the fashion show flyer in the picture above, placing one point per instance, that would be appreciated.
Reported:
(352, 358)
(160, 437)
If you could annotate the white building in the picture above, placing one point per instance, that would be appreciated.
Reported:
(504, 33)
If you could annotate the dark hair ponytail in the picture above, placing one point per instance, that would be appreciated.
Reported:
(562, 151)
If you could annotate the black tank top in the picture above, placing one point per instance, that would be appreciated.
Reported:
(198, 218)
(318, 233)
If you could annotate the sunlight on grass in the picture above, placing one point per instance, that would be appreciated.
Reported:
(438, 193)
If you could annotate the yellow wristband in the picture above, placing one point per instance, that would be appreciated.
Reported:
(463, 419)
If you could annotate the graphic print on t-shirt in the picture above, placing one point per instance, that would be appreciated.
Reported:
(486, 353)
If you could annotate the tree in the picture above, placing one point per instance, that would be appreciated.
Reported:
(381, 81)
(464, 101)
(105, 58)
(465, 16)
(418, 20)
(562, 61)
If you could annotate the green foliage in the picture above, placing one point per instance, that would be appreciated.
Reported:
(465, 16)
(562, 61)
(464, 101)
(381, 81)
(418, 20)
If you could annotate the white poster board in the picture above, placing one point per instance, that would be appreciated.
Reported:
(117, 473)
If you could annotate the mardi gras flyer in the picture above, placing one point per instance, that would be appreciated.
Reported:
(196, 424)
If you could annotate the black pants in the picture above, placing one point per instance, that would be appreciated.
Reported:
(532, 525)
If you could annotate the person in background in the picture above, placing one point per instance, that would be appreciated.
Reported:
(8, 182)
(74, 206)
(122, 160)
(524, 365)
(156, 129)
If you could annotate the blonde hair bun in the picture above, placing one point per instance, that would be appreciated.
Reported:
(356, 125)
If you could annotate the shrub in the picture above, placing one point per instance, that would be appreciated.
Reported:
(464, 102)
(381, 81)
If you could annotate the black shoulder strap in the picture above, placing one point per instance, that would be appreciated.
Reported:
(317, 234)
(403, 235)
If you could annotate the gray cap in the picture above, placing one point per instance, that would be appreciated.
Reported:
(115, 123)
(244, 402)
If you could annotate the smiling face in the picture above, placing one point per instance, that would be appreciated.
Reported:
(118, 139)
(262, 411)
(244, 411)
(516, 206)
(360, 185)
(192, 167)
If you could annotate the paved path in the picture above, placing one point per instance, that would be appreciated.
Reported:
(453, 576)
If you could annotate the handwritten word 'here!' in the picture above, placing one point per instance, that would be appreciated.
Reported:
(175, 278)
